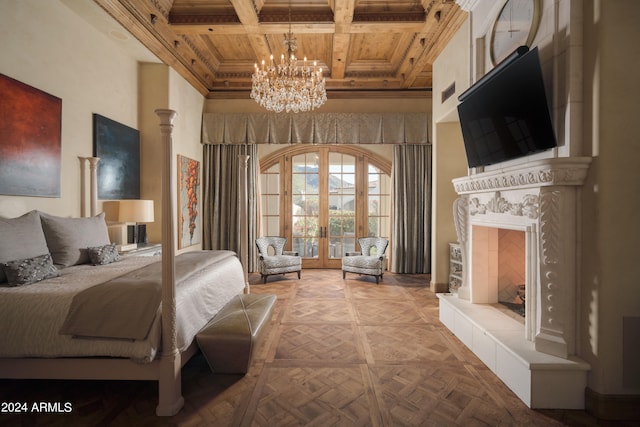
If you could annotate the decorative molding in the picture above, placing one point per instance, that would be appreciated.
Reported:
(558, 171)
(528, 207)
(177, 19)
(460, 221)
(316, 17)
(160, 8)
(203, 59)
(550, 247)
(550, 220)
(460, 211)
(360, 17)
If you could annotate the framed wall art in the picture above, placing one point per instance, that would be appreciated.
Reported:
(30, 140)
(118, 147)
(189, 220)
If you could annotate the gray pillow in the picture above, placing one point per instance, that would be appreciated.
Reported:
(21, 238)
(101, 255)
(69, 238)
(31, 270)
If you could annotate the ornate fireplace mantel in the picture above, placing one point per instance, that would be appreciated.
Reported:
(540, 173)
(540, 198)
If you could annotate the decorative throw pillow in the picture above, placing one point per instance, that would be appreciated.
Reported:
(21, 238)
(101, 255)
(30, 270)
(69, 238)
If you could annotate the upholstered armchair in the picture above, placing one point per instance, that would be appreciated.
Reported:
(278, 262)
(370, 261)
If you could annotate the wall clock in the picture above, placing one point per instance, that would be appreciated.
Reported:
(515, 25)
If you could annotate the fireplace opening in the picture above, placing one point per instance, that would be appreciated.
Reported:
(503, 274)
(511, 271)
(517, 303)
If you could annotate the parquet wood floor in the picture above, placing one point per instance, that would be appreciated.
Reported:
(337, 353)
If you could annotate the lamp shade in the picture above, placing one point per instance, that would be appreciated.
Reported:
(135, 211)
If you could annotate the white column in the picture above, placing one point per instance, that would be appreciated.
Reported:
(83, 186)
(93, 168)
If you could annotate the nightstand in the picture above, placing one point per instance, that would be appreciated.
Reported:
(148, 249)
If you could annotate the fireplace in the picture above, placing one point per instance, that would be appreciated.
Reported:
(517, 229)
(505, 251)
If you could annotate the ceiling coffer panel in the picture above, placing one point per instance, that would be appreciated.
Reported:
(360, 44)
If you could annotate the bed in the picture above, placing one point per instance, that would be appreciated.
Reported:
(46, 328)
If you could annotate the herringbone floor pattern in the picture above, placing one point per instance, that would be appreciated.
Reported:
(337, 353)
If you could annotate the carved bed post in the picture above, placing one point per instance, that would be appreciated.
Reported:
(169, 384)
(244, 226)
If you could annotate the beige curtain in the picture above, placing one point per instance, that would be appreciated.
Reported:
(411, 241)
(221, 193)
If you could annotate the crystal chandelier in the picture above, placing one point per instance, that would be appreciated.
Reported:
(288, 86)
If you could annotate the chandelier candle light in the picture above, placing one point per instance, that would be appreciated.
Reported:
(287, 86)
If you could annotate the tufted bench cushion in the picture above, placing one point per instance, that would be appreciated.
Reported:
(229, 339)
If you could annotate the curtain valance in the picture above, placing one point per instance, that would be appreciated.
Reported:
(315, 128)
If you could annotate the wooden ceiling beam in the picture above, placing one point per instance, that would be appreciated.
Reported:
(340, 50)
(429, 43)
(260, 47)
(343, 10)
(299, 28)
(246, 11)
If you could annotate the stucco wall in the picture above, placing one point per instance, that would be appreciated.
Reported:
(610, 295)
(74, 50)
(48, 46)
(452, 67)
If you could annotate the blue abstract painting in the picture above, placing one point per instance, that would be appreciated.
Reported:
(118, 147)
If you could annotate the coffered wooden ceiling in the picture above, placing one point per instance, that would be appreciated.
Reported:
(362, 45)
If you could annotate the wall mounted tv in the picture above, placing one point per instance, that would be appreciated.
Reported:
(505, 114)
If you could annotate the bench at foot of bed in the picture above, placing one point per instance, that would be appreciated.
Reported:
(229, 339)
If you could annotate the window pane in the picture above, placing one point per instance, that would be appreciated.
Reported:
(272, 226)
(270, 201)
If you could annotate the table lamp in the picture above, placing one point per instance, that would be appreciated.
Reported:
(136, 211)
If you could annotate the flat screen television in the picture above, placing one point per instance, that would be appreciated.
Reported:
(505, 114)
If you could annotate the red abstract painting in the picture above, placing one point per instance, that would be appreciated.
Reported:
(30, 140)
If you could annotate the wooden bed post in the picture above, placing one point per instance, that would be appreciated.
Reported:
(244, 225)
(169, 384)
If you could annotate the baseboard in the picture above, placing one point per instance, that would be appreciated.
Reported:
(612, 407)
(438, 287)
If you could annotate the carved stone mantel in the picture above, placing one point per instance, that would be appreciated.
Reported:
(539, 198)
(540, 173)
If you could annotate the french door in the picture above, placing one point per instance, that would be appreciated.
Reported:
(322, 199)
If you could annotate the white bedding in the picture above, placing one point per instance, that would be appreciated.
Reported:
(31, 315)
